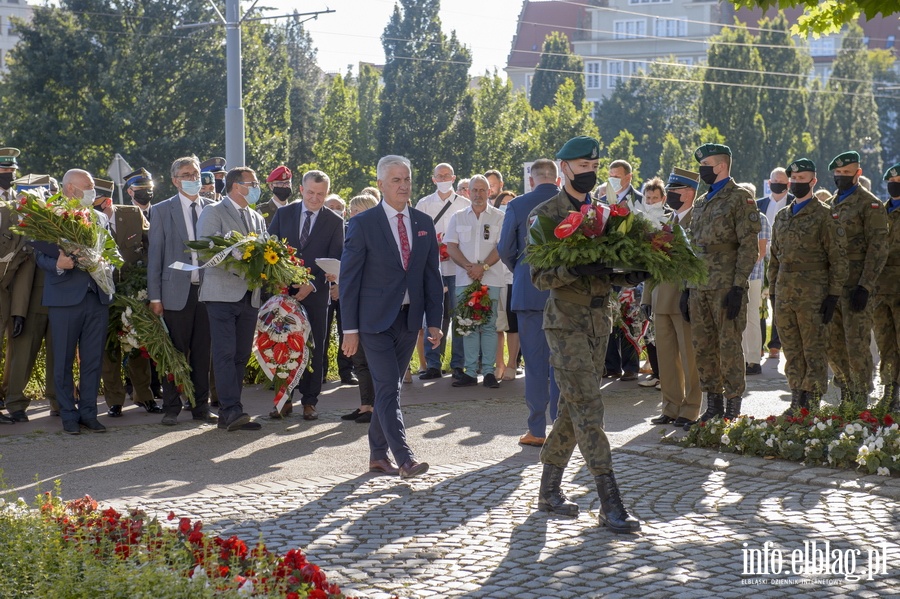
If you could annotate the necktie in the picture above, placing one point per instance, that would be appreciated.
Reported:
(304, 234)
(244, 218)
(404, 242)
(194, 218)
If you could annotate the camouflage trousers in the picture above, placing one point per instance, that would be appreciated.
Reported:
(803, 341)
(887, 336)
(577, 360)
(718, 343)
(849, 335)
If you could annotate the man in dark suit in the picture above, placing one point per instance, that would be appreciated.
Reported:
(390, 280)
(232, 309)
(316, 232)
(528, 302)
(174, 294)
(78, 312)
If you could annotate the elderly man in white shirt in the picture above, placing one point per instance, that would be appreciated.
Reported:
(472, 236)
(441, 206)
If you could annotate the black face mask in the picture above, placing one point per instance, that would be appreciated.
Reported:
(778, 187)
(143, 196)
(99, 207)
(220, 186)
(843, 182)
(673, 200)
(707, 174)
(583, 182)
(6, 180)
(282, 193)
(800, 190)
(894, 189)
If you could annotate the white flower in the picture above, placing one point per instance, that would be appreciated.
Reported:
(861, 461)
(770, 441)
(849, 429)
(882, 471)
(128, 311)
(142, 295)
(858, 427)
(237, 254)
(725, 440)
(246, 588)
(820, 426)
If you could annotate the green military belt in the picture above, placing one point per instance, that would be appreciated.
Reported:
(804, 266)
(856, 257)
(588, 301)
(719, 247)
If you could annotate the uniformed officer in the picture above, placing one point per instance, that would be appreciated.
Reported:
(11, 256)
(865, 223)
(208, 186)
(279, 181)
(724, 230)
(139, 187)
(8, 166)
(129, 229)
(887, 298)
(577, 323)
(216, 166)
(807, 270)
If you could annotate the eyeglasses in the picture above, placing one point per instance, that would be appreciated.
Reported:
(248, 183)
(188, 177)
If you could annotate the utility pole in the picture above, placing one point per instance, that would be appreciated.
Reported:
(234, 110)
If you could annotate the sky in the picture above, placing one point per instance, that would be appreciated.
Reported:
(353, 33)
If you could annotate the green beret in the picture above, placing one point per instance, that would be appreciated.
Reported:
(844, 159)
(580, 147)
(894, 171)
(801, 165)
(707, 150)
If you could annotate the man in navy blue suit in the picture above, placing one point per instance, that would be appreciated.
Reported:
(78, 311)
(390, 280)
(528, 302)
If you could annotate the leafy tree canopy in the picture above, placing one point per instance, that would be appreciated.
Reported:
(825, 16)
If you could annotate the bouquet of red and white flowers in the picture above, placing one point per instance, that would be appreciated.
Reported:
(442, 248)
(474, 308)
(283, 344)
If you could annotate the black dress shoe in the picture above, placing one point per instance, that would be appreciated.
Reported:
(93, 426)
(152, 407)
(4, 419)
(465, 381)
(491, 382)
(612, 375)
(207, 417)
(754, 369)
(349, 379)
(457, 373)
(662, 419)
(54, 413)
(680, 421)
(19, 416)
(352, 415)
(364, 417)
(431, 373)
(687, 425)
(157, 393)
(235, 423)
(72, 428)
(114, 412)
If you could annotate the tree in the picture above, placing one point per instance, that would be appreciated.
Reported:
(557, 65)
(887, 81)
(425, 79)
(825, 17)
(672, 155)
(306, 95)
(266, 89)
(501, 117)
(622, 148)
(460, 139)
(730, 99)
(557, 123)
(365, 141)
(333, 149)
(785, 95)
(849, 123)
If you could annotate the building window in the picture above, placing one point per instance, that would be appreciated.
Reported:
(592, 74)
(614, 71)
(824, 46)
(890, 42)
(638, 66)
(649, 2)
(631, 29)
(686, 60)
(671, 27)
(595, 109)
(528, 78)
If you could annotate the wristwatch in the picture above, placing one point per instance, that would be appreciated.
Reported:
(485, 266)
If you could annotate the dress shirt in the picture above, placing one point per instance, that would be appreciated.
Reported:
(312, 222)
(392, 220)
(432, 206)
(716, 188)
(775, 206)
(186, 210)
(467, 230)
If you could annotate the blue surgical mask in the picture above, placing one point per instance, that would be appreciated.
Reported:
(191, 188)
(502, 208)
(252, 196)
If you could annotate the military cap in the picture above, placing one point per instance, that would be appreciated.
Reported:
(104, 188)
(580, 147)
(844, 159)
(894, 171)
(8, 157)
(32, 182)
(207, 178)
(707, 150)
(680, 178)
(213, 165)
(801, 165)
(139, 178)
(281, 173)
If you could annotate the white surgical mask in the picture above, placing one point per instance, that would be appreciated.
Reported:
(87, 197)
(444, 186)
(191, 188)
(614, 184)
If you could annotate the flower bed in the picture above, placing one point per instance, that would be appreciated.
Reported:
(74, 549)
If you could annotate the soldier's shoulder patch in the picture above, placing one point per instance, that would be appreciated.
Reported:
(835, 216)
(751, 202)
(840, 231)
(754, 216)
(875, 205)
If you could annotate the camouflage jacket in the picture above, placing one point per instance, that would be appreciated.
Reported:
(889, 280)
(864, 219)
(576, 303)
(808, 252)
(725, 234)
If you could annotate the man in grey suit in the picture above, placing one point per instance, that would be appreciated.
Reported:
(232, 309)
(174, 294)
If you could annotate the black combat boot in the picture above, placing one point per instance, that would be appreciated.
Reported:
(612, 512)
(715, 406)
(733, 407)
(550, 497)
(796, 403)
(810, 401)
(895, 399)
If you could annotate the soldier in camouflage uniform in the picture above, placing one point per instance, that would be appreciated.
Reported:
(864, 220)
(807, 270)
(724, 230)
(887, 298)
(577, 323)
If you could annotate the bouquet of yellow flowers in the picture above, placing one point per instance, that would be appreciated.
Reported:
(75, 229)
(263, 260)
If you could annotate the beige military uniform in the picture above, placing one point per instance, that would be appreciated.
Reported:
(887, 307)
(808, 262)
(865, 223)
(725, 233)
(268, 210)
